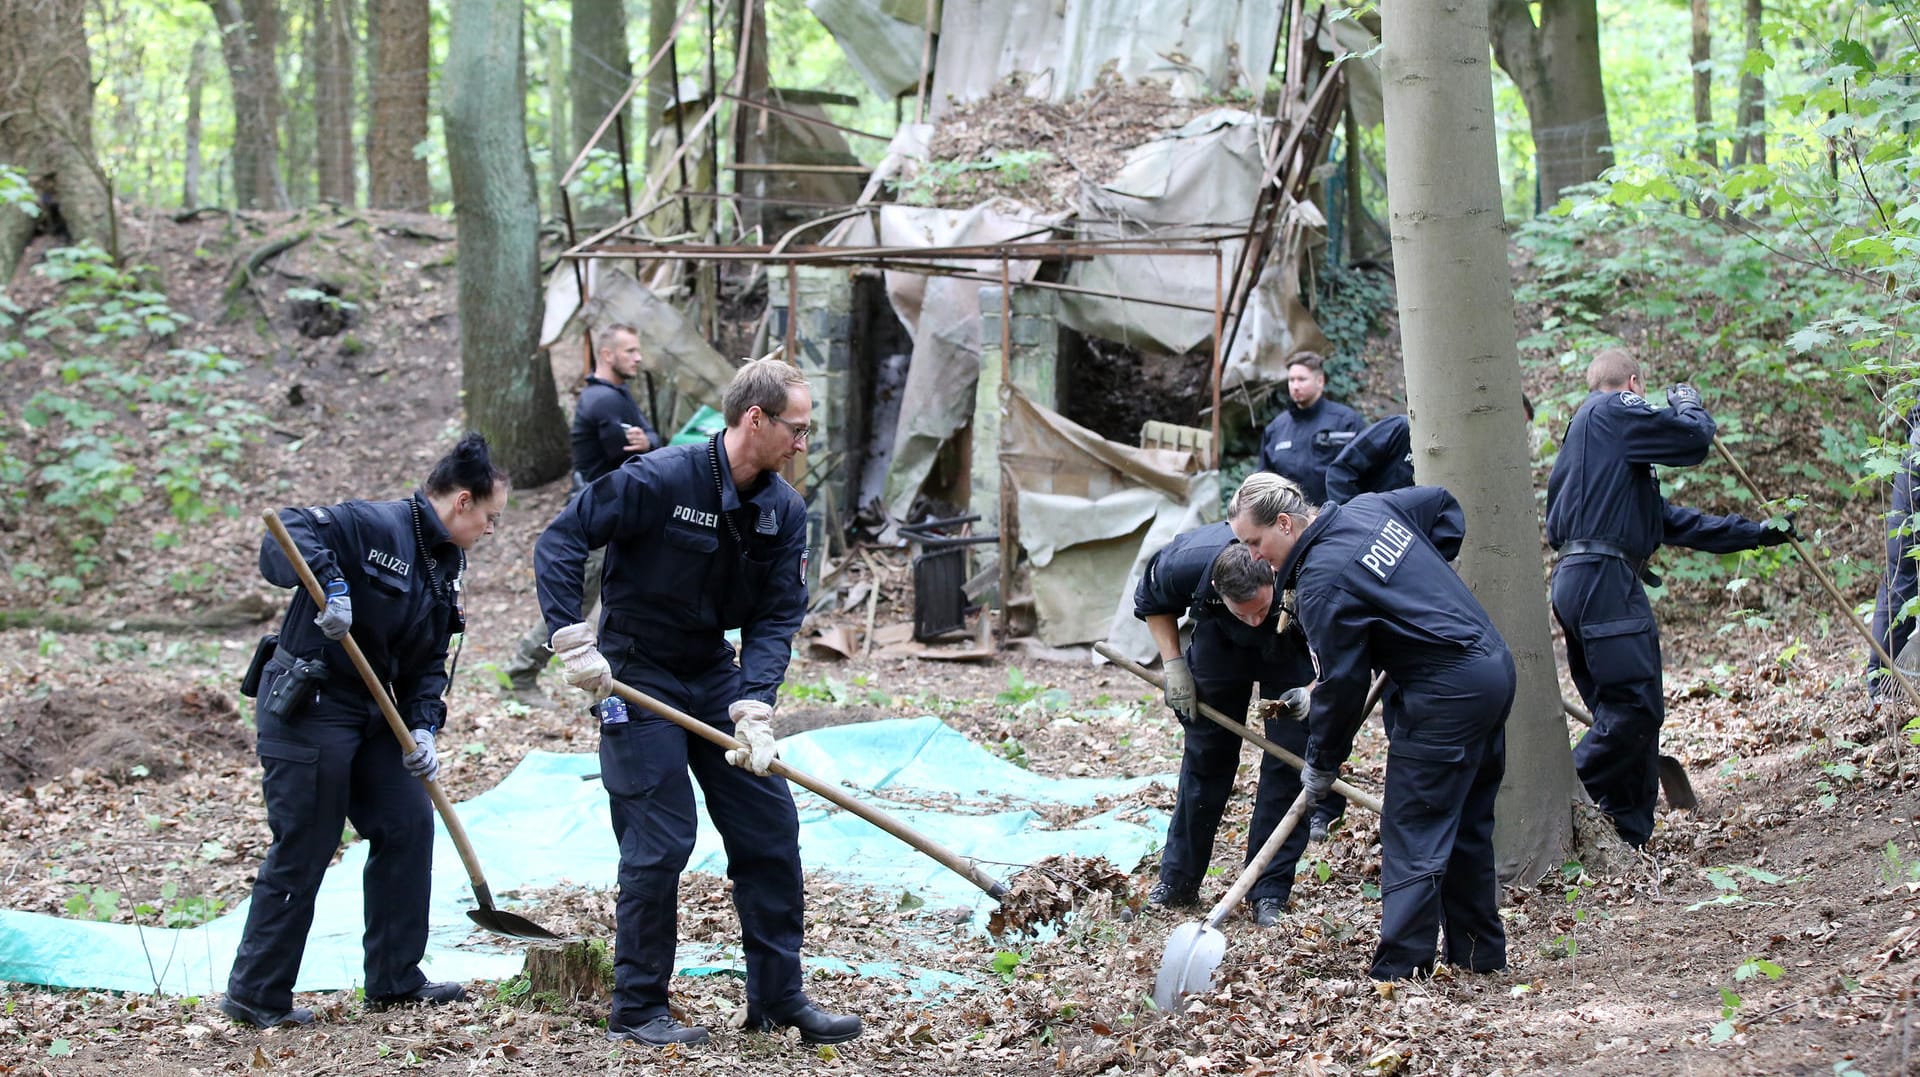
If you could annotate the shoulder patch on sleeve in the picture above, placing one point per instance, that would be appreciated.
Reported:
(1634, 400)
(319, 514)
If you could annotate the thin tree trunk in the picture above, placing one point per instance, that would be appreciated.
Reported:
(509, 388)
(333, 102)
(559, 131)
(1556, 67)
(661, 92)
(1751, 144)
(46, 127)
(600, 68)
(750, 126)
(249, 33)
(397, 179)
(196, 88)
(1463, 385)
(297, 120)
(1701, 57)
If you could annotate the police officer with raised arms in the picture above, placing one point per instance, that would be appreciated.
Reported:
(1241, 634)
(700, 539)
(392, 572)
(1606, 517)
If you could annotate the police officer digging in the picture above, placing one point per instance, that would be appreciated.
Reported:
(1241, 634)
(700, 539)
(1303, 439)
(1375, 592)
(392, 572)
(1606, 517)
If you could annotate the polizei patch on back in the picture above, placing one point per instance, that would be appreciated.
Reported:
(1388, 548)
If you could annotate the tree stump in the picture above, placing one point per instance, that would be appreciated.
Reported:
(572, 972)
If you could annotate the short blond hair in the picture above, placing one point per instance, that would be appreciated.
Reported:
(1613, 368)
(766, 384)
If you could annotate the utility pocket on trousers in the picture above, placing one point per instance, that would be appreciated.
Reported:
(1621, 650)
(1426, 774)
(625, 770)
(291, 781)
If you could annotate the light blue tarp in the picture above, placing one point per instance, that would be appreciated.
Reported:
(545, 826)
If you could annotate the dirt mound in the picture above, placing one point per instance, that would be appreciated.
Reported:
(122, 733)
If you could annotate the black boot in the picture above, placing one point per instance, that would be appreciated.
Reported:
(659, 1032)
(243, 1013)
(815, 1024)
(429, 994)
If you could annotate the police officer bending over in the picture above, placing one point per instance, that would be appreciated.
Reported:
(700, 539)
(1375, 592)
(1606, 517)
(392, 572)
(1241, 634)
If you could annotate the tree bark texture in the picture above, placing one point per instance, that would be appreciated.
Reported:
(661, 92)
(559, 131)
(396, 178)
(46, 126)
(510, 393)
(1752, 110)
(1701, 57)
(196, 90)
(1463, 385)
(600, 68)
(249, 34)
(333, 101)
(1556, 67)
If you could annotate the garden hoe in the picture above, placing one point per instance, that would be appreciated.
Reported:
(1194, 949)
(498, 921)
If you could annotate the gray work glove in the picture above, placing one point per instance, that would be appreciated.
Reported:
(1681, 395)
(581, 662)
(336, 617)
(422, 763)
(1316, 783)
(753, 727)
(1295, 703)
(1182, 696)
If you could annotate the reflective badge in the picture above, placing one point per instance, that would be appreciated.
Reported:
(769, 522)
(320, 515)
(1282, 445)
(1633, 399)
(1314, 657)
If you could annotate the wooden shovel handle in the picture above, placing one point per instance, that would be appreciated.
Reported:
(1258, 865)
(481, 892)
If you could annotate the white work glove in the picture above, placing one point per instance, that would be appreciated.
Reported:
(336, 617)
(582, 664)
(753, 727)
(1181, 693)
(422, 763)
(1316, 783)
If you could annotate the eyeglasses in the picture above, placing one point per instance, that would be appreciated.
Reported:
(800, 433)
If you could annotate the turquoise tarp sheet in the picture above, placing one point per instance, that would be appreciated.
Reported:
(547, 825)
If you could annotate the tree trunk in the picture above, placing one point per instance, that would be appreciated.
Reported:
(333, 101)
(46, 127)
(559, 131)
(396, 178)
(1556, 67)
(751, 127)
(249, 34)
(1463, 385)
(661, 92)
(509, 387)
(196, 89)
(1751, 144)
(600, 68)
(1701, 57)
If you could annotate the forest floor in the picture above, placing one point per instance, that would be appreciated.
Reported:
(1774, 930)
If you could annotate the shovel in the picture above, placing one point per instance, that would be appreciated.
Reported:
(1194, 949)
(965, 868)
(1674, 783)
(498, 921)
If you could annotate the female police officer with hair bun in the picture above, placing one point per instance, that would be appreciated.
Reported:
(392, 573)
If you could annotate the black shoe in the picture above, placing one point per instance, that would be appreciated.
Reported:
(815, 1024)
(1165, 895)
(1268, 910)
(662, 1031)
(255, 1017)
(429, 994)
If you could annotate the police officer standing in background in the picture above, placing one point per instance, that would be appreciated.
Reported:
(1375, 592)
(608, 430)
(1305, 437)
(392, 572)
(700, 539)
(1606, 517)
(1241, 634)
(1899, 583)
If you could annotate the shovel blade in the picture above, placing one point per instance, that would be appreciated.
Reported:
(501, 922)
(1193, 951)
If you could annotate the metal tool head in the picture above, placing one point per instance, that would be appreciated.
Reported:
(501, 922)
(1193, 951)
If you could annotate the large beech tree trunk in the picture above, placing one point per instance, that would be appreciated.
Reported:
(1463, 385)
(397, 179)
(510, 393)
(249, 34)
(46, 127)
(1556, 66)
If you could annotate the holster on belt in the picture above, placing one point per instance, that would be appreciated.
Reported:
(293, 689)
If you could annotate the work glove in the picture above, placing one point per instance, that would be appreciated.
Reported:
(1316, 783)
(1181, 693)
(1294, 703)
(422, 763)
(753, 727)
(1776, 535)
(581, 662)
(1681, 395)
(336, 617)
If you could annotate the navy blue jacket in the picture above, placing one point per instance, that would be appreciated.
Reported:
(599, 441)
(1376, 591)
(1179, 579)
(678, 574)
(1603, 486)
(1378, 459)
(402, 619)
(1300, 442)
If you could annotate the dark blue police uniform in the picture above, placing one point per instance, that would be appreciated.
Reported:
(1226, 656)
(688, 557)
(1606, 517)
(1378, 459)
(334, 759)
(598, 435)
(1375, 591)
(1300, 442)
(1899, 583)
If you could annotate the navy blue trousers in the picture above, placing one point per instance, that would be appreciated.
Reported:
(1613, 652)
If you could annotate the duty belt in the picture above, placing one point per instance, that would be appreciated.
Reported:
(1607, 549)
